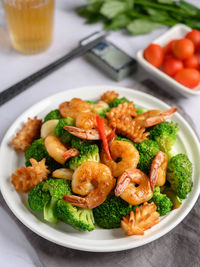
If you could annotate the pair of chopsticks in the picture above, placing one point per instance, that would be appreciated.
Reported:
(85, 45)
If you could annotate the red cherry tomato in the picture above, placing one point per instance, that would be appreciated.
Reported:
(183, 48)
(168, 47)
(188, 77)
(198, 48)
(191, 62)
(194, 36)
(154, 54)
(172, 65)
(168, 55)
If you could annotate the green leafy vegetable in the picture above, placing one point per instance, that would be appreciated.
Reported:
(140, 16)
(165, 1)
(142, 26)
(119, 22)
(112, 8)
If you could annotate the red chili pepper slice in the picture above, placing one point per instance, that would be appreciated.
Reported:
(102, 133)
(111, 135)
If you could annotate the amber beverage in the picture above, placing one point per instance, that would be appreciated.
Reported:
(30, 24)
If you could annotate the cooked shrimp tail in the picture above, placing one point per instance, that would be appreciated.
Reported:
(153, 117)
(88, 134)
(92, 200)
(133, 186)
(122, 184)
(124, 180)
(75, 200)
(70, 153)
(158, 170)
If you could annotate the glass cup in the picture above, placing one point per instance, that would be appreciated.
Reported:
(30, 24)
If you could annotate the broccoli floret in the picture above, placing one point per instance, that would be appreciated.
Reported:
(109, 214)
(103, 112)
(100, 108)
(118, 101)
(141, 110)
(148, 149)
(173, 197)
(119, 138)
(44, 197)
(60, 132)
(163, 203)
(50, 211)
(38, 151)
(165, 135)
(37, 198)
(79, 143)
(88, 153)
(80, 219)
(53, 115)
(179, 174)
(91, 102)
(57, 187)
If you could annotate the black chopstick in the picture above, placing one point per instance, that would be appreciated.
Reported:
(86, 44)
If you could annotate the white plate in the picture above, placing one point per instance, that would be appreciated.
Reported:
(99, 240)
(177, 32)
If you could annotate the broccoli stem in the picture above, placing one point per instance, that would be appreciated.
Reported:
(50, 211)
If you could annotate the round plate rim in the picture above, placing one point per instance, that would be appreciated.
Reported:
(91, 248)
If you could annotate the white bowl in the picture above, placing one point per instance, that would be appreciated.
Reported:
(99, 240)
(177, 32)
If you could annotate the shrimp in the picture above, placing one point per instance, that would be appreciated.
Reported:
(109, 96)
(158, 170)
(123, 150)
(92, 180)
(153, 117)
(73, 107)
(71, 153)
(87, 133)
(57, 150)
(86, 120)
(134, 187)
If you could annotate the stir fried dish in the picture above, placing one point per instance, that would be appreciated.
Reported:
(105, 163)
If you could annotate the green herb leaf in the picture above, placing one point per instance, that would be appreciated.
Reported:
(113, 8)
(130, 4)
(140, 16)
(195, 24)
(142, 26)
(165, 1)
(95, 7)
(118, 23)
(189, 8)
(159, 15)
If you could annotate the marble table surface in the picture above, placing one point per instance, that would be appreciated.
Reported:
(15, 248)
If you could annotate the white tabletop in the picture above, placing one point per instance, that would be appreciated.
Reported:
(69, 29)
